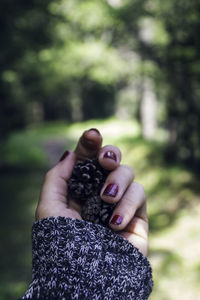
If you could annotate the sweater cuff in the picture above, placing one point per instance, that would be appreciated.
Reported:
(75, 259)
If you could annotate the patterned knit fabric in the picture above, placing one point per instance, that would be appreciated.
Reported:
(75, 259)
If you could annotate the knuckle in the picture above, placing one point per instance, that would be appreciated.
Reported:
(127, 169)
(140, 189)
(129, 205)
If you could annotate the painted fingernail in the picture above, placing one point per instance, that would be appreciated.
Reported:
(111, 190)
(94, 129)
(111, 155)
(116, 220)
(65, 154)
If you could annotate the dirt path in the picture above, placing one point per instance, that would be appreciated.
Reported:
(54, 148)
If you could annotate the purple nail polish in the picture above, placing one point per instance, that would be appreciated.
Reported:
(116, 220)
(65, 154)
(111, 190)
(111, 155)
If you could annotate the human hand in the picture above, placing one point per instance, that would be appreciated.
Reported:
(129, 217)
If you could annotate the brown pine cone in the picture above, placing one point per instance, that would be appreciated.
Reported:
(85, 185)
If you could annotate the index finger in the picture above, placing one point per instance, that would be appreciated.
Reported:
(109, 157)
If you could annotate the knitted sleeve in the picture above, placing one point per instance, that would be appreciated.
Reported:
(75, 259)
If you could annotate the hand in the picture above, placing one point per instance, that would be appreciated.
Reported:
(129, 217)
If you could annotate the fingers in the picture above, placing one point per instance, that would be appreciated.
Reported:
(54, 191)
(117, 183)
(130, 218)
(132, 204)
(89, 144)
(109, 157)
(137, 234)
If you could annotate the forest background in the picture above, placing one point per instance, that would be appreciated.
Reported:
(130, 68)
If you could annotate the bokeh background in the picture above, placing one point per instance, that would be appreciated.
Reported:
(131, 68)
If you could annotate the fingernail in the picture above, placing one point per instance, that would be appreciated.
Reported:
(111, 190)
(111, 155)
(94, 129)
(65, 154)
(116, 220)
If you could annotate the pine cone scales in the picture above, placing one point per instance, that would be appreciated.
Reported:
(87, 179)
(85, 185)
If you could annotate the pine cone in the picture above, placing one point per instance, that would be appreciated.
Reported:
(85, 185)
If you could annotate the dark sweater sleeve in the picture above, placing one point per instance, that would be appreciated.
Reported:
(75, 259)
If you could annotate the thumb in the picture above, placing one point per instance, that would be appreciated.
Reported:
(89, 144)
(53, 196)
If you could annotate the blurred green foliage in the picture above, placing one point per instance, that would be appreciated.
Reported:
(70, 61)
(73, 60)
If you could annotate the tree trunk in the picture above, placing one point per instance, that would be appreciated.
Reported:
(148, 109)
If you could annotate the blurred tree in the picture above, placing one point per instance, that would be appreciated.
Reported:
(87, 61)
(182, 74)
(26, 27)
(167, 35)
(69, 59)
(57, 61)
